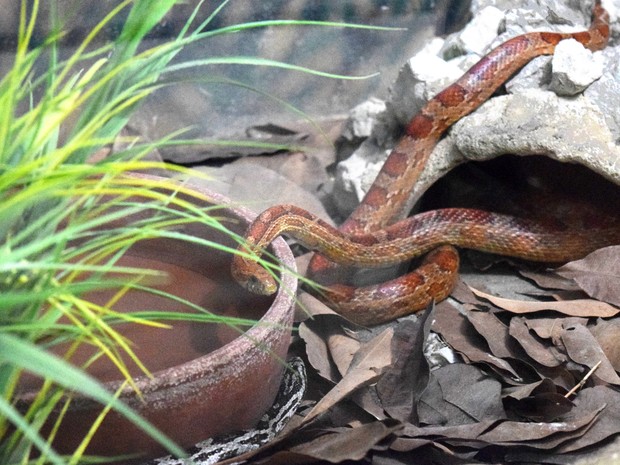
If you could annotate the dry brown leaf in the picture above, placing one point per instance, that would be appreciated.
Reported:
(523, 390)
(597, 274)
(583, 348)
(549, 280)
(581, 307)
(539, 401)
(551, 328)
(463, 395)
(461, 336)
(533, 346)
(365, 368)
(347, 443)
(471, 390)
(402, 383)
(342, 349)
(428, 453)
(313, 333)
(437, 433)
(432, 410)
(494, 332)
(309, 306)
(501, 433)
(600, 398)
(522, 433)
(607, 333)
(366, 399)
(462, 293)
(592, 399)
(545, 407)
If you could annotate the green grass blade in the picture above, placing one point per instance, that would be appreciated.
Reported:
(11, 414)
(18, 352)
(257, 61)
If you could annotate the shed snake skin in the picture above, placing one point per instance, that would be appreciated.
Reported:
(378, 234)
(214, 450)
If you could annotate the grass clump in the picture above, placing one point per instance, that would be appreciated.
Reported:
(60, 202)
(58, 238)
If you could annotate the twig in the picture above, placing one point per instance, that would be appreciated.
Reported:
(583, 381)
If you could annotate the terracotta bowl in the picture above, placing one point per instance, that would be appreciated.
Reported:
(209, 379)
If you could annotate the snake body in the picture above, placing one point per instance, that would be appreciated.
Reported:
(376, 233)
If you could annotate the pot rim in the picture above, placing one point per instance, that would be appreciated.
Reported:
(277, 316)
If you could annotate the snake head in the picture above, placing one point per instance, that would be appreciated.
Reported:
(252, 276)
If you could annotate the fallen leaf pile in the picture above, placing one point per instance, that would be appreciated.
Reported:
(475, 379)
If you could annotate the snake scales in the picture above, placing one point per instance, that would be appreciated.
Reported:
(376, 235)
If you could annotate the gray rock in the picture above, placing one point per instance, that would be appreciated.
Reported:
(423, 76)
(538, 122)
(362, 119)
(574, 68)
(605, 92)
(477, 36)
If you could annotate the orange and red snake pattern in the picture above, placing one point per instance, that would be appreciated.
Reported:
(378, 234)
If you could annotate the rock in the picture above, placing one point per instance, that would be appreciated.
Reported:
(605, 92)
(477, 36)
(423, 76)
(532, 120)
(535, 75)
(355, 175)
(574, 68)
(540, 122)
(362, 120)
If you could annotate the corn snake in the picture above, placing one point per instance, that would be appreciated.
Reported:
(376, 235)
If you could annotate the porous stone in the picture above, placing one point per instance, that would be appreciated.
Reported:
(574, 67)
(362, 119)
(355, 175)
(423, 76)
(538, 122)
(605, 92)
(477, 35)
(534, 75)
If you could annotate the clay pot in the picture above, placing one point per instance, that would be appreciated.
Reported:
(209, 379)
